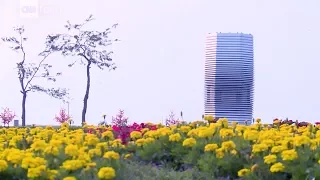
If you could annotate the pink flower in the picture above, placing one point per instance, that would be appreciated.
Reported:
(62, 117)
(7, 116)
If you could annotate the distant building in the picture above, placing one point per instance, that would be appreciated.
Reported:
(229, 76)
(16, 123)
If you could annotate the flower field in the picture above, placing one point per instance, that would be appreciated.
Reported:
(197, 150)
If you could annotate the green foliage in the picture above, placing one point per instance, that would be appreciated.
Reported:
(131, 170)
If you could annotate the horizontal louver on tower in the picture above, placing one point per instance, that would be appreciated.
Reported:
(229, 76)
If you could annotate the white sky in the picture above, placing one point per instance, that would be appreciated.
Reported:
(160, 57)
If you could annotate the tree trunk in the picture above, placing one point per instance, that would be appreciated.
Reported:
(86, 96)
(23, 115)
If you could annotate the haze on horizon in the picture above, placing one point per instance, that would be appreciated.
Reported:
(160, 57)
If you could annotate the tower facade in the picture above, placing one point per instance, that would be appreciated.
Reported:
(229, 76)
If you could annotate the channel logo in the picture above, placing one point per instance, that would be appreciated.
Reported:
(29, 8)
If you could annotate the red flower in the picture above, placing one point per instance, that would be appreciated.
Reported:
(115, 128)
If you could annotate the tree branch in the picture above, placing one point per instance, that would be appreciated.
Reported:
(21, 66)
(37, 69)
(22, 49)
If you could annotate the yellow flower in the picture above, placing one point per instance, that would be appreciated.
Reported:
(163, 131)
(3, 165)
(38, 145)
(277, 149)
(220, 153)
(14, 156)
(36, 172)
(12, 144)
(135, 135)
(228, 145)
(51, 150)
(223, 122)
(210, 147)
(71, 150)
(251, 135)
(127, 156)
(72, 165)
(206, 133)
(144, 130)
(84, 157)
(193, 133)
(102, 145)
(93, 164)
(314, 144)
(140, 142)
(270, 159)
(268, 142)
(111, 155)
(106, 173)
(175, 137)
(289, 155)
(185, 129)
(31, 162)
(189, 142)
(254, 167)
(92, 139)
(52, 174)
(226, 133)
(94, 152)
(55, 142)
(149, 140)
(243, 172)
(108, 134)
(116, 143)
(256, 148)
(277, 167)
(301, 140)
(70, 178)
(89, 166)
(209, 118)
(318, 134)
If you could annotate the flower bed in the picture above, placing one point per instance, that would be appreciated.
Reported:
(217, 150)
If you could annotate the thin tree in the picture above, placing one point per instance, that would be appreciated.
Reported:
(90, 46)
(28, 72)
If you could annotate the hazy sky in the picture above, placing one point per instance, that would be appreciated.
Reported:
(160, 57)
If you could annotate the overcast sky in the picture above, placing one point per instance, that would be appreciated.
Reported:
(160, 57)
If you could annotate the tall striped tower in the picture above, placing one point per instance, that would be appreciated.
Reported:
(229, 78)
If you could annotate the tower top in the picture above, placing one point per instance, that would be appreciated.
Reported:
(230, 33)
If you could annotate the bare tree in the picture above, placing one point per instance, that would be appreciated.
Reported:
(28, 72)
(90, 46)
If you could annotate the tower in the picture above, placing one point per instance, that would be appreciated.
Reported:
(229, 76)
